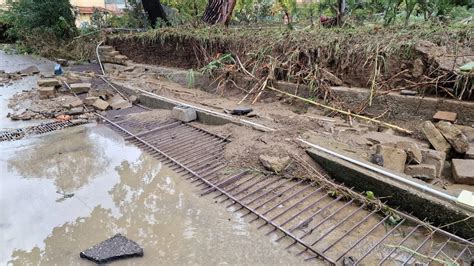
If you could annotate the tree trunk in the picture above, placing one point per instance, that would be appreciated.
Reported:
(154, 11)
(218, 11)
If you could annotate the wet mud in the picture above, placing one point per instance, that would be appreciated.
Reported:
(64, 192)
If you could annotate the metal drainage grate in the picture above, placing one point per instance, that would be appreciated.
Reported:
(312, 220)
(16, 134)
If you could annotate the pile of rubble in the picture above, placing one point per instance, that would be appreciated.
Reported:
(449, 153)
(7, 78)
(55, 97)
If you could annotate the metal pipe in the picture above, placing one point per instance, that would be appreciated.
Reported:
(386, 173)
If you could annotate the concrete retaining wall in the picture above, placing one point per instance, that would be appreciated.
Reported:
(421, 205)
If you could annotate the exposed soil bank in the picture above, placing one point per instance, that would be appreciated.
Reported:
(416, 59)
(64, 192)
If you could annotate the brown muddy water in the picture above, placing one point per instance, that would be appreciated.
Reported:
(66, 191)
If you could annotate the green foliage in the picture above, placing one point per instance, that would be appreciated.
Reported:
(40, 17)
(217, 63)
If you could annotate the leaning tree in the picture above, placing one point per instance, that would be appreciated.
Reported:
(218, 11)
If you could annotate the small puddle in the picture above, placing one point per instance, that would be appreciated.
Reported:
(66, 191)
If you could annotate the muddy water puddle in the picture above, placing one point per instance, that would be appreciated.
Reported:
(66, 191)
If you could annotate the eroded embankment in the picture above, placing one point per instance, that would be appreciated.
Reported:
(419, 59)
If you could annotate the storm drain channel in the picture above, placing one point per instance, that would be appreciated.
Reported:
(16, 134)
(307, 219)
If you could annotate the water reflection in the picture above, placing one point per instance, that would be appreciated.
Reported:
(132, 194)
(70, 161)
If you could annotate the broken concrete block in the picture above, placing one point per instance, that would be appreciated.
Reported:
(445, 116)
(422, 171)
(274, 163)
(470, 152)
(46, 92)
(75, 111)
(117, 102)
(79, 88)
(31, 70)
(90, 100)
(468, 131)
(75, 103)
(454, 136)
(49, 82)
(393, 158)
(436, 158)
(463, 171)
(383, 138)
(100, 104)
(117, 247)
(184, 113)
(412, 150)
(133, 99)
(121, 57)
(435, 137)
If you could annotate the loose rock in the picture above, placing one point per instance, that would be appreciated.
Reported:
(49, 82)
(445, 116)
(100, 104)
(31, 70)
(470, 152)
(436, 158)
(117, 102)
(79, 88)
(46, 92)
(90, 100)
(424, 172)
(454, 136)
(274, 163)
(435, 137)
(117, 247)
(412, 150)
(393, 158)
(463, 172)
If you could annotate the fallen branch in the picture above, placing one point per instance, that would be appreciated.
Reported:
(345, 112)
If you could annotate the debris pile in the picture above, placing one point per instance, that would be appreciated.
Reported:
(7, 78)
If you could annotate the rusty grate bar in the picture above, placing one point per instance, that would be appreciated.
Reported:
(318, 222)
(340, 229)
(16, 134)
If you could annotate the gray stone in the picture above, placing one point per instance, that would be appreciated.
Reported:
(240, 110)
(75, 111)
(274, 163)
(393, 158)
(463, 171)
(46, 92)
(412, 150)
(422, 171)
(117, 247)
(468, 131)
(75, 103)
(106, 48)
(470, 152)
(49, 82)
(90, 100)
(79, 88)
(436, 158)
(408, 92)
(435, 137)
(117, 102)
(387, 139)
(100, 104)
(31, 70)
(454, 136)
(133, 99)
(184, 113)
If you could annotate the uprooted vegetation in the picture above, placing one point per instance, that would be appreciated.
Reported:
(424, 59)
